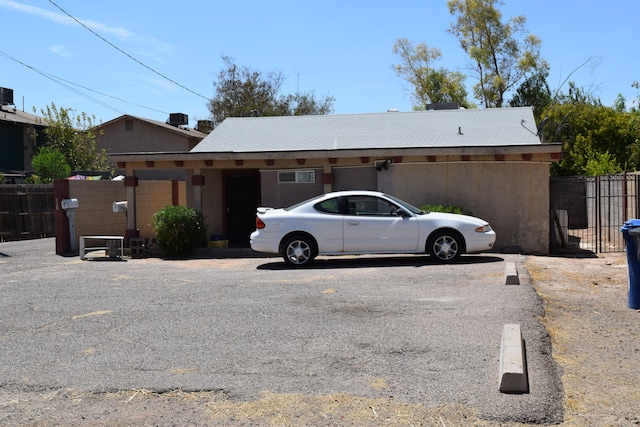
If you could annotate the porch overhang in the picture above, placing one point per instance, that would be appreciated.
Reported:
(539, 153)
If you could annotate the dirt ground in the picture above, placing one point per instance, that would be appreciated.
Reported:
(595, 341)
(595, 337)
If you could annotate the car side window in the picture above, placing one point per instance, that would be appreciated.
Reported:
(330, 206)
(371, 206)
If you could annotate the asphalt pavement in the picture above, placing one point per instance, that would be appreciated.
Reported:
(372, 326)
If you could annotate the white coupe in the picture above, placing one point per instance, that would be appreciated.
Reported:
(366, 222)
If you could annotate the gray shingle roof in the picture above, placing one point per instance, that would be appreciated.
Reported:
(13, 115)
(438, 128)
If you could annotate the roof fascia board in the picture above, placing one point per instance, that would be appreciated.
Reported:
(257, 155)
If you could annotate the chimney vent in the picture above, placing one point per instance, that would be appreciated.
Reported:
(205, 126)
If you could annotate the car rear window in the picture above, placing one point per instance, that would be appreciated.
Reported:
(328, 206)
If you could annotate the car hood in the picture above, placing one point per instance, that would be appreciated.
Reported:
(454, 217)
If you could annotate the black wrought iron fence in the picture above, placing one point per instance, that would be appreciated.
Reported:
(587, 212)
(26, 212)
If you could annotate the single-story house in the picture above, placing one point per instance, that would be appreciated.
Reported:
(490, 162)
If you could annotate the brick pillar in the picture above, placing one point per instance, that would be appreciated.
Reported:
(61, 191)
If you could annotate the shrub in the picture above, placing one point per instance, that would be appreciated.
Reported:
(179, 230)
(445, 208)
(49, 164)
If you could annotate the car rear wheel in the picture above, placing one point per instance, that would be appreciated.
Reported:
(445, 246)
(298, 251)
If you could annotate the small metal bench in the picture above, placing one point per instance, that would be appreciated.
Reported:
(84, 249)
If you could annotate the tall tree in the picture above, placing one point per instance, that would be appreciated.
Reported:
(534, 91)
(75, 137)
(244, 92)
(426, 83)
(502, 53)
(595, 139)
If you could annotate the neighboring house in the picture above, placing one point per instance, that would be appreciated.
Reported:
(128, 133)
(20, 134)
(488, 161)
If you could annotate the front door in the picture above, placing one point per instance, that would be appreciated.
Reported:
(241, 201)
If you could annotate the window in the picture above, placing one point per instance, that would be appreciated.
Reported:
(307, 177)
(128, 125)
(328, 206)
(371, 206)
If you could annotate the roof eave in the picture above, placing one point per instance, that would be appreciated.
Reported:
(549, 148)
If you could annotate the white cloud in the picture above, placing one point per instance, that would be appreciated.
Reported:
(62, 50)
(153, 48)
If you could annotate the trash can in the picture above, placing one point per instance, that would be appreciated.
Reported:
(631, 233)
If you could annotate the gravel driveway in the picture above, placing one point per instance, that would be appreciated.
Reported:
(376, 327)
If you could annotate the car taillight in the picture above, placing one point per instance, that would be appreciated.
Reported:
(259, 224)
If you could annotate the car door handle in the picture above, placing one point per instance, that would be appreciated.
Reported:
(354, 222)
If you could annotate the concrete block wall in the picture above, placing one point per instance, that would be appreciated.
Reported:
(95, 214)
(151, 196)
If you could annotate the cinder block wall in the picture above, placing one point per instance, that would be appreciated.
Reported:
(95, 214)
(151, 196)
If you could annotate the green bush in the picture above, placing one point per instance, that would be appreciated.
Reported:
(445, 208)
(179, 230)
(48, 165)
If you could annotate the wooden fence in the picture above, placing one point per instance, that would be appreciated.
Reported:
(26, 211)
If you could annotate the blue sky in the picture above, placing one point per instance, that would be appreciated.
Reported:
(337, 48)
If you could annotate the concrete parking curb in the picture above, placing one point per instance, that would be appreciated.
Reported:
(511, 274)
(513, 364)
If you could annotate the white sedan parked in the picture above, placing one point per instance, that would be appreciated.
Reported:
(365, 222)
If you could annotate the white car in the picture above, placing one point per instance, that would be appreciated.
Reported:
(365, 222)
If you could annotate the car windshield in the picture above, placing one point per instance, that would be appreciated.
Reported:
(406, 205)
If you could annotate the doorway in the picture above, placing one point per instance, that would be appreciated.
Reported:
(241, 197)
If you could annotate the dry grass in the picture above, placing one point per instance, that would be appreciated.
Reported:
(338, 409)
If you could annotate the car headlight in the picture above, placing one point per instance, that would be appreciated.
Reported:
(483, 229)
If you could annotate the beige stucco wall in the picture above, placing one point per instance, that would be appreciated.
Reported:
(281, 195)
(144, 137)
(355, 178)
(212, 202)
(513, 197)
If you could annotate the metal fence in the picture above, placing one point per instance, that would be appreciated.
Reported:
(587, 212)
(26, 212)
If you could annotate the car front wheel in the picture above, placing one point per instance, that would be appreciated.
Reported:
(298, 251)
(445, 246)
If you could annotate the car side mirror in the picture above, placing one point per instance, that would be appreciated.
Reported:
(402, 212)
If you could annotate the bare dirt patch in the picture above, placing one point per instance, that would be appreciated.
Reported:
(595, 336)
